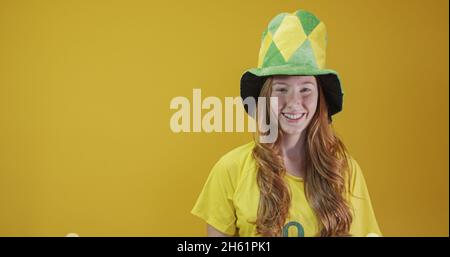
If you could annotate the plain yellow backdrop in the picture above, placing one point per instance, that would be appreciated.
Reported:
(85, 87)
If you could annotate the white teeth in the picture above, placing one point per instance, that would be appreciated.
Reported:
(293, 116)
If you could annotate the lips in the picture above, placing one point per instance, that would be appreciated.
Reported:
(293, 116)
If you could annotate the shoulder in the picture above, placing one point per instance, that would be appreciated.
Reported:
(237, 155)
(356, 174)
(234, 162)
(353, 164)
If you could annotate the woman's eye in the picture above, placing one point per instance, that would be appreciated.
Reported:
(280, 89)
(305, 90)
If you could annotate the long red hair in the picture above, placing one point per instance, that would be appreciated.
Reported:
(326, 173)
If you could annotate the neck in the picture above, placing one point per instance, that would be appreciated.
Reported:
(292, 146)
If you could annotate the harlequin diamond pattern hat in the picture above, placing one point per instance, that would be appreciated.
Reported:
(294, 44)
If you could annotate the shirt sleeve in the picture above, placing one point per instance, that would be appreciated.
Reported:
(364, 221)
(215, 202)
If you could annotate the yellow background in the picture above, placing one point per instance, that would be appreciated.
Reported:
(85, 87)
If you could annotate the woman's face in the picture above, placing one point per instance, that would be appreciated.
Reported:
(297, 101)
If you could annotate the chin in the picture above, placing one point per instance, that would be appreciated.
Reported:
(292, 131)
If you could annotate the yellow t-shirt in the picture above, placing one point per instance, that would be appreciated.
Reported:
(230, 197)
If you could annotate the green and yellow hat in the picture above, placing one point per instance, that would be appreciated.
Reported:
(294, 44)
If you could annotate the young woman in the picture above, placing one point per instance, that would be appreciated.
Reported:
(305, 183)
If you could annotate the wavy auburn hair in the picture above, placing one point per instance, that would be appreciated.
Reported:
(326, 174)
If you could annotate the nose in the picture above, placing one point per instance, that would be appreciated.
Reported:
(293, 98)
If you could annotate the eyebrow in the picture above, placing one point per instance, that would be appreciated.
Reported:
(283, 83)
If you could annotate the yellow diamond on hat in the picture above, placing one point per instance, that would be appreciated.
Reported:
(264, 47)
(289, 36)
(319, 44)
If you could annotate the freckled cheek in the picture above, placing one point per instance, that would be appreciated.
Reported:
(310, 104)
(281, 103)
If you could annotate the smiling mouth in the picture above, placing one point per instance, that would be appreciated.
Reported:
(293, 116)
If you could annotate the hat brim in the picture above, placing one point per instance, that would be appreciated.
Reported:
(253, 80)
